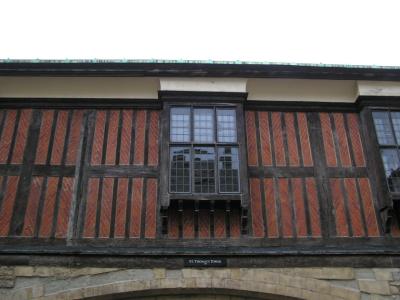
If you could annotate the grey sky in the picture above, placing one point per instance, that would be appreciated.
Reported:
(331, 32)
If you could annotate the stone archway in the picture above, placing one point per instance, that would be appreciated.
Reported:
(192, 294)
(47, 283)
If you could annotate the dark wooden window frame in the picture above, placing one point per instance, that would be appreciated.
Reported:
(374, 146)
(192, 144)
(394, 195)
(192, 100)
(388, 202)
(390, 206)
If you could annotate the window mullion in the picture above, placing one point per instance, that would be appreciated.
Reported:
(215, 126)
(191, 125)
(394, 135)
(191, 169)
(216, 173)
(191, 149)
(392, 128)
(217, 167)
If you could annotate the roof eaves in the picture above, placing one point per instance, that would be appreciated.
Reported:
(182, 61)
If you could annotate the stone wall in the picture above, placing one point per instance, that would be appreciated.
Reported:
(27, 282)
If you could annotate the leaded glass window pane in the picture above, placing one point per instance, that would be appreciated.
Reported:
(396, 125)
(228, 169)
(180, 169)
(383, 128)
(392, 168)
(198, 159)
(204, 169)
(226, 124)
(180, 124)
(203, 125)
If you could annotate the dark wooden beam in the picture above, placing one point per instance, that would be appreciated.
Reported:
(136, 69)
(177, 262)
(186, 96)
(122, 171)
(226, 246)
(71, 103)
(378, 101)
(303, 106)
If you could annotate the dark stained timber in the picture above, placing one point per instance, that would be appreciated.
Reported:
(195, 69)
(92, 182)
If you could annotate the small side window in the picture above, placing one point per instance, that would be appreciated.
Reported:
(387, 126)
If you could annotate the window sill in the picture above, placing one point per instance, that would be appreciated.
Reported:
(206, 197)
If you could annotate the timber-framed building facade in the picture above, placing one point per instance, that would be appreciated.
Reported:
(156, 180)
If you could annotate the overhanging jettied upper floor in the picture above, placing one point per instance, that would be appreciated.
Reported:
(82, 152)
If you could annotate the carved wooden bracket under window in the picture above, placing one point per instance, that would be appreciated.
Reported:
(204, 219)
